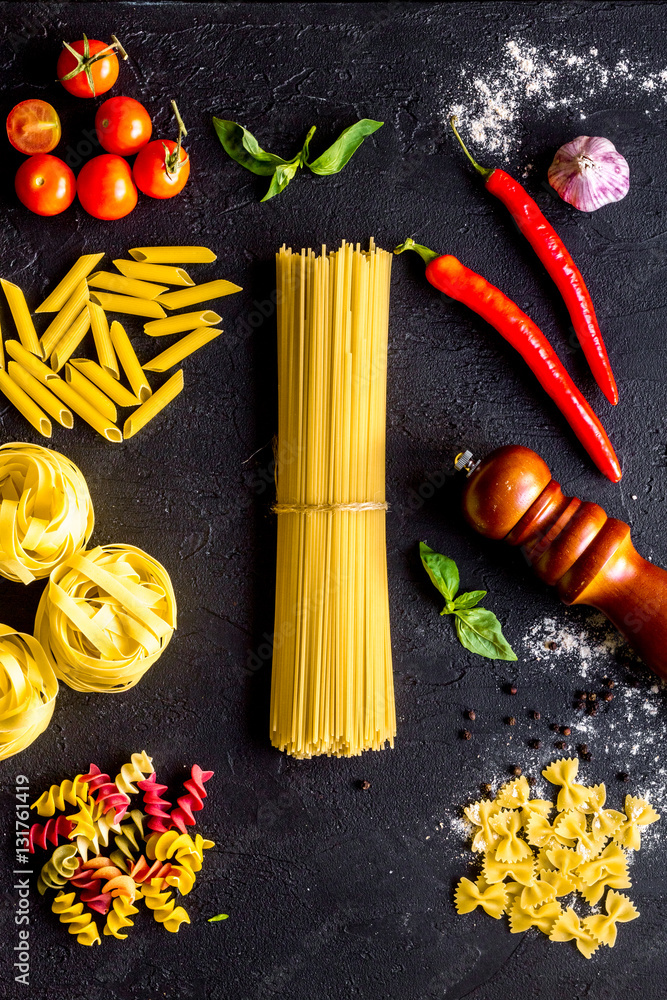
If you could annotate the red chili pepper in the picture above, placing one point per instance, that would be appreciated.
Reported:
(549, 247)
(457, 281)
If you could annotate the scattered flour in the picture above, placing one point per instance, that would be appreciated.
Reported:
(589, 647)
(491, 103)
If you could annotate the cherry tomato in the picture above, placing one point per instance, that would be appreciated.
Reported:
(105, 187)
(123, 125)
(33, 126)
(45, 184)
(93, 65)
(161, 172)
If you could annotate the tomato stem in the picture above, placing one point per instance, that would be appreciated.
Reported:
(172, 161)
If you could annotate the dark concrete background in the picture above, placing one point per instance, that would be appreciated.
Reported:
(333, 892)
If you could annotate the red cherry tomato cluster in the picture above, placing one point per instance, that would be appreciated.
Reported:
(107, 184)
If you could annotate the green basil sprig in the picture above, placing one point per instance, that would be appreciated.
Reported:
(477, 628)
(242, 146)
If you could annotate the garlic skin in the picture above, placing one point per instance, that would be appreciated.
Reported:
(589, 172)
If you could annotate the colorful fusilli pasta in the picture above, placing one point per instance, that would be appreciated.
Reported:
(146, 865)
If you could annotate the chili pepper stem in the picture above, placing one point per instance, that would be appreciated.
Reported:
(409, 244)
(484, 171)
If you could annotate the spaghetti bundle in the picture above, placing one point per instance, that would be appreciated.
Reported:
(332, 686)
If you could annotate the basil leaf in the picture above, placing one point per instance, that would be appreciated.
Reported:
(469, 600)
(442, 571)
(282, 176)
(480, 631)
(242, 146)
(220, 916)
(337, 155)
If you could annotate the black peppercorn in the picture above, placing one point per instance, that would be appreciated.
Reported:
(470, 714)
(554, 727)
(592, 696)
(560, 744)
(565, 730)
(592, 710)
(583, 747)
(517, 770)
(535, 744)
(608, 696)
(485, 789)
(514, 689)
(579, 705)
(364, 785)
(510, 720)
(609, 683)
(531, 781)
(536, 714)
(623, 776)
(466, 734)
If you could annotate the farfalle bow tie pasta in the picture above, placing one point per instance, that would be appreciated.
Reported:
(531, 862)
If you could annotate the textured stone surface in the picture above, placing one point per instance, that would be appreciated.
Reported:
(333, 892)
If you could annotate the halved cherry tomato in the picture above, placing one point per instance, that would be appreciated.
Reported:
(161, 168)
(123, 125)
(45, 184)
(89, 67)
(33, 126)
(105, 187)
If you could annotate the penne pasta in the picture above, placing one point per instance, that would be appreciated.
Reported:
(127, 304)
(109, 385)
(88, 391)
(87, 412)
(25, 405)
(70, 340)
(154, 272)
(198, 293)
(41, 395)
(173, 255)
(22, 318)
(100, 327)
(129, 362)
(182, 348)
(157, 402)
(28, 361)
(126, 286)
(62, 322)
(65, 289)
(180, 323)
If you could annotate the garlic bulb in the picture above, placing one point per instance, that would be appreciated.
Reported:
(589, 173)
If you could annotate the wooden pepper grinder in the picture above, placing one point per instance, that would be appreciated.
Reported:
(571, 544)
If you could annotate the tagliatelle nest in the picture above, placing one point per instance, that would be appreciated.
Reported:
(46, 514)
(582, 850)
(28, 690)
(105, 617)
